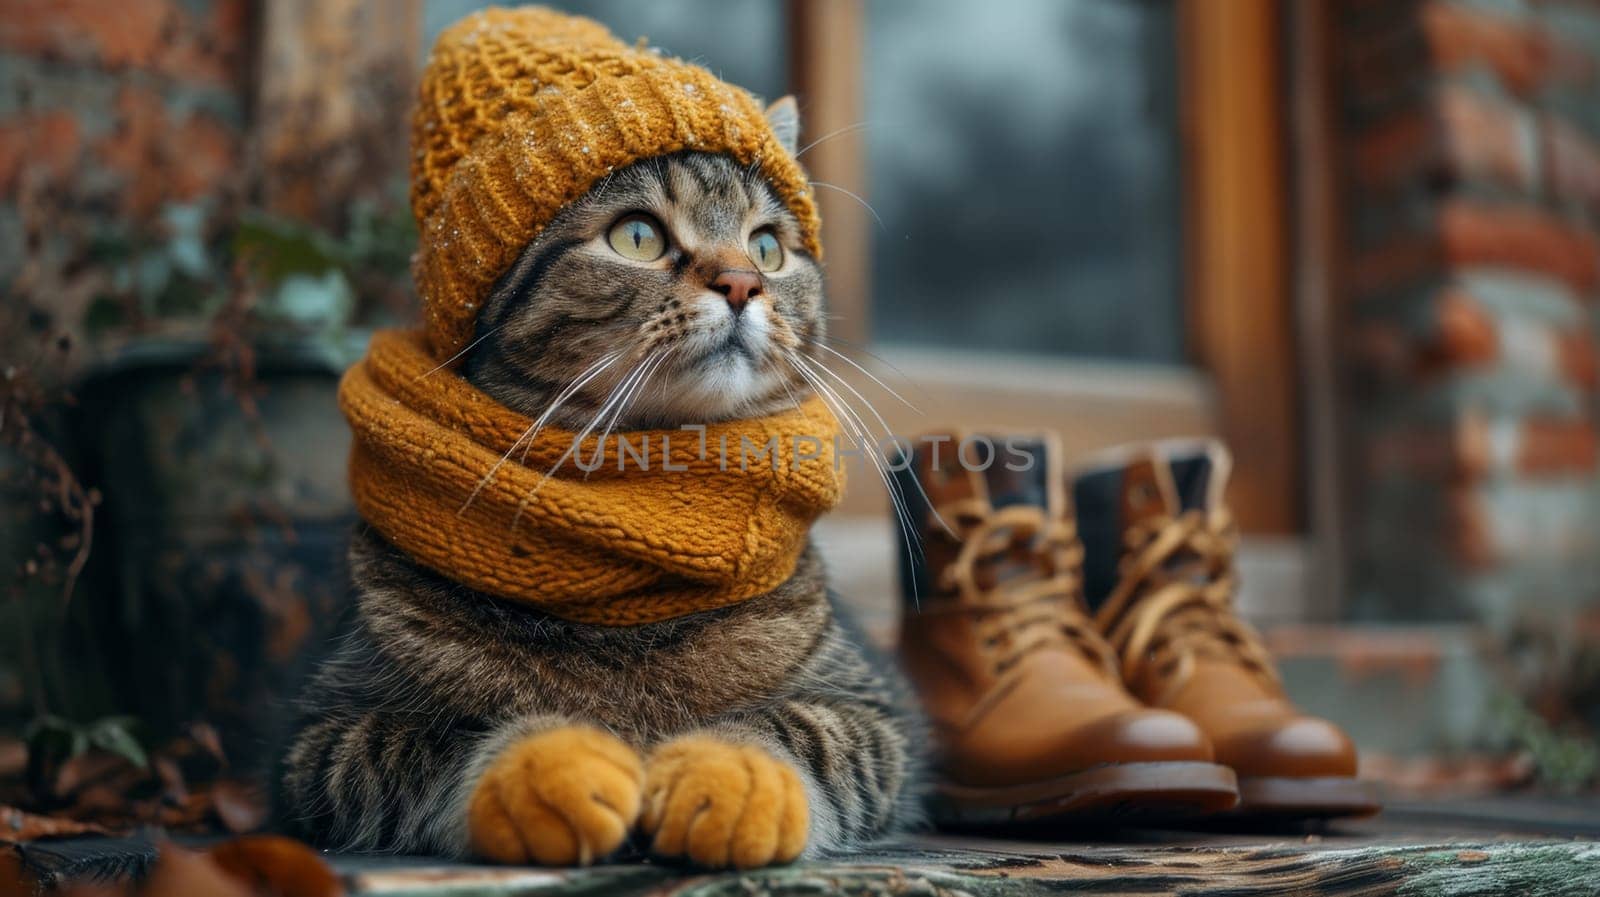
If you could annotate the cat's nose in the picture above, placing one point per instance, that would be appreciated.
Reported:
(738, 287)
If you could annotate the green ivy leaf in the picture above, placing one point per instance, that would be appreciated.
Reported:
(277, 248)
(114, 734)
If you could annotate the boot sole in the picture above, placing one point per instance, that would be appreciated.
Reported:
(1132, 791)
(1319, 798)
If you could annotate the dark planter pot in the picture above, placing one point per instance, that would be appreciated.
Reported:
(219, 565)
(38, 544)
(24, 602)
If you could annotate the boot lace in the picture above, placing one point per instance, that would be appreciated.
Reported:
(1021, 615)
(1174, 604)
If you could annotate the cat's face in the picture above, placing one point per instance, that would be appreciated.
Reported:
(674, 292)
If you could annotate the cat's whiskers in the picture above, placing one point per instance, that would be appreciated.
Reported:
(612, 398)
(858, 348)
(886, 388)
(882, 423)
(891, 485)
(856, 427)
(452, 359)
(835, 133)
(652, 364)
(864, 204)
(571, 389)
(794, 399)
(853, 426)
(533, 429)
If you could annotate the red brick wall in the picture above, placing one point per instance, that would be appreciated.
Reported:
(110, 112)
(1472, 159)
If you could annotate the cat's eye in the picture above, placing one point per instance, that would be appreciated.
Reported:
(765, 250)
(638, 237)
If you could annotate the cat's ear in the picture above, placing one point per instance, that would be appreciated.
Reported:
(784, 117)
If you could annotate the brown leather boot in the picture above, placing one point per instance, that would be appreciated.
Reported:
(1029, 718)
(1160, 580)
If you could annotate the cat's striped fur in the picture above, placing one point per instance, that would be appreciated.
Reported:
(435, 679)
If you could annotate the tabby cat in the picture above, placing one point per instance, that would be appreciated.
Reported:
(436, 685)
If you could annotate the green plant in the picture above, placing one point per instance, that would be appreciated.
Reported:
(60, 739)
(1567, 760)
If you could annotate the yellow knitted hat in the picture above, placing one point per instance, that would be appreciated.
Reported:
(521, 112)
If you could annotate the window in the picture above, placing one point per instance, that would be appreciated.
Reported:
(1026, 170)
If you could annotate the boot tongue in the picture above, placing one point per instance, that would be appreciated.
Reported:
(1023, 472)
(991, 472)
(1193, 477)
(1161, 479)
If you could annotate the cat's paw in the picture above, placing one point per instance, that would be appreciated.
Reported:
(562, 797)
(722, 804)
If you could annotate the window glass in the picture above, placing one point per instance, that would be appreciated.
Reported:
(1025, 165)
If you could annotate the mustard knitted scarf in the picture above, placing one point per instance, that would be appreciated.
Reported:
(686, 525)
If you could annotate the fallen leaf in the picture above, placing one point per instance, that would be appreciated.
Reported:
(12, 882)
(205, 736)
(17, 825)
(173, 786)
(93, 889)
(185, 873)
(239, 806)
(277, 867)
(87, 768)
(100, 801)
(13, 757)
(187, 814)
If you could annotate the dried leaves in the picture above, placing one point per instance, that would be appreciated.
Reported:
(18, 825)
(102, 780)
(257, 866)
(275, 865)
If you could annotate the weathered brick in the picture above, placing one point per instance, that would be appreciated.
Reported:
(1408, 47)
(204, 155)
(1459, 37)
(1547, 445)
(1470, 531)
(1571, 160)
(1549, 521)
(1475, 446)
(1569, 61)
(1396, 148)
(1466, 334)
(1465, 235)
(162, 159)
(42, 145)
(155, 35)
(1472, 132)
(125, 33)
(1522, 239)
(1459, 335)
(1482, 138)
(1459, 135)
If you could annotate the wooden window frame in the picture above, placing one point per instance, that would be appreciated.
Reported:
(1238, 262)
